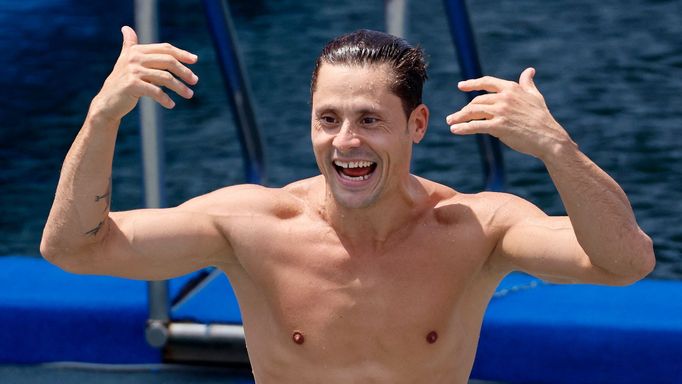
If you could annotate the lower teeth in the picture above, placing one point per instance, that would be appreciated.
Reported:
(356, 178)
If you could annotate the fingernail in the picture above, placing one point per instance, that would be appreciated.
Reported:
(172, 104)
(195, 57)
(190, 93)
(452, 129)
(195, 78)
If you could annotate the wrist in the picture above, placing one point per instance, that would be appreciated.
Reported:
(559, 150)
(98, 114)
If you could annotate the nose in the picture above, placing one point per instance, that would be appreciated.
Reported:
(345, 139)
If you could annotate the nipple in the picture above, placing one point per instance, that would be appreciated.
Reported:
(432, 337)
(298, 337)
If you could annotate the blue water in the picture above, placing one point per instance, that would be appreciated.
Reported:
(611, 72)
(116, 374)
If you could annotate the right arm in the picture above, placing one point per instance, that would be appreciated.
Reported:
(81, 235)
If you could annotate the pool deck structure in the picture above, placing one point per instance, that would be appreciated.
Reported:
(532, 331)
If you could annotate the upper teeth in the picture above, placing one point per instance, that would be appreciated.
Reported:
(353, 164)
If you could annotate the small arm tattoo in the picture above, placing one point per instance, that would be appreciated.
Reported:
(93, 232)
(106, 195)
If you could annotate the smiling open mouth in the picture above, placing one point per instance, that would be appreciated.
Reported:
(355, 170)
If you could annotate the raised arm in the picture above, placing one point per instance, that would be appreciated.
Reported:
(599, 241)
(81, 235)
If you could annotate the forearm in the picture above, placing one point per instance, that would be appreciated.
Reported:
(80, 210)
(600, 213)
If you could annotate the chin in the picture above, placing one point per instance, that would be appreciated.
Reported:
(353, 199)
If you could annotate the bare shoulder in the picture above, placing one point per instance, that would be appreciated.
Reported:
(307, 192)
(489, 200)
(248, 199)
(492, 210)
(305, 188)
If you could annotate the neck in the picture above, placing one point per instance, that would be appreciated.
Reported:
(376, 225)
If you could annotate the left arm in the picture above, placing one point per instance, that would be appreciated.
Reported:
(599, 241)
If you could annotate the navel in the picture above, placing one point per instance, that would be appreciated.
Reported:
(431, 337)
(297, 337)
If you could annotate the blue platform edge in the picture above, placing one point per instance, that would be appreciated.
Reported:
(539, 333)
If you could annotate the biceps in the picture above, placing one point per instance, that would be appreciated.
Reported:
(546, 247)
(158, 244)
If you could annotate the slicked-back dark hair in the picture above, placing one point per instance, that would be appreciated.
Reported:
(365, 47)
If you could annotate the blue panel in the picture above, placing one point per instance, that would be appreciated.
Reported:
(216, 303)
(583, 334)
(47, 314)
(546, 334)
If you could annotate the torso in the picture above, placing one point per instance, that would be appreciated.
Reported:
(316, 309)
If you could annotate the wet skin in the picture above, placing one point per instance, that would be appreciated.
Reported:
(320, 306)
(382, 279)
(365, 273)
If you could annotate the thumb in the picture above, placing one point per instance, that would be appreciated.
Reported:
(129, 37)
(526, 79)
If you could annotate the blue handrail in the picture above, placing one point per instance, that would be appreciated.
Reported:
(225, 42)
(470, 68)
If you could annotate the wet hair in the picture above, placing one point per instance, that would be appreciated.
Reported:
(364, 47)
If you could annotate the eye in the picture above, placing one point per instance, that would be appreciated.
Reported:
(369, 120)
(327, 119)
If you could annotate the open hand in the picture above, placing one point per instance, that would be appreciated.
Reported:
(515, 113)
(141, 70)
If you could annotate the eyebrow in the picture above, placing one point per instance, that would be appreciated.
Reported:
(363, 110)
(368, 111)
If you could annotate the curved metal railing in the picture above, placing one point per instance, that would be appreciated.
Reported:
(238, 89)
(470, 68)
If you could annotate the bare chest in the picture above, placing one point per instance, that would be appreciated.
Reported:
(327, 298)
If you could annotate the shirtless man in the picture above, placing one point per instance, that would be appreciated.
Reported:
(365, 273)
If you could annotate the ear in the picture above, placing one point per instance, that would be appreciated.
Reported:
(418, 123)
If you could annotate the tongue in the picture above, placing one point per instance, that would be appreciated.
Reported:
(355, 172)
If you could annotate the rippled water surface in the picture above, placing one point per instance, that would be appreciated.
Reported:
(611, 72)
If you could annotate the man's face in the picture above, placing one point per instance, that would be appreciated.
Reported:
(361, 137)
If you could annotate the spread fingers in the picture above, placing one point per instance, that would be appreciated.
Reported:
(470, 112)
(143, 88)
(169, 63)
(166, 79)
(485, 83)
(168, 49)
(471, 127)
